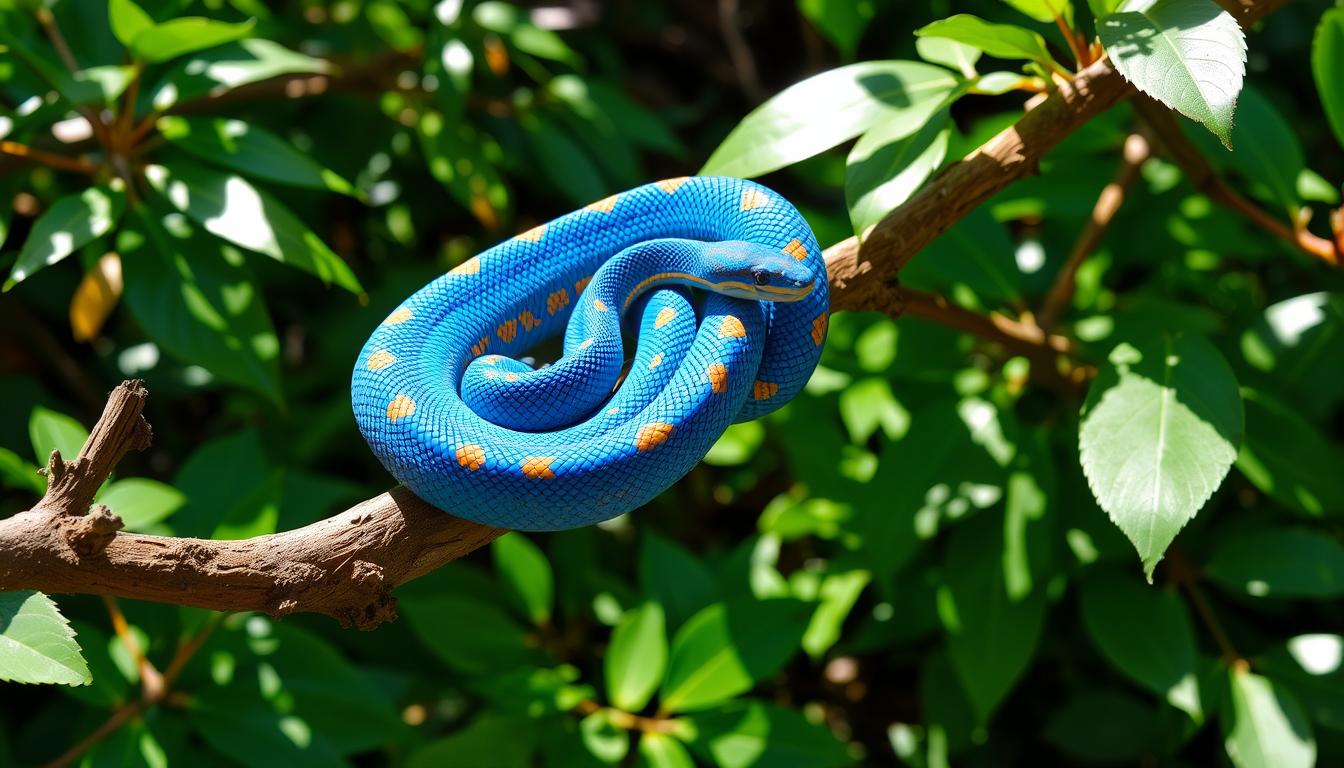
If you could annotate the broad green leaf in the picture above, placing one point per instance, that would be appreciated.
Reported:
(836, 596)
(1029, 529)
(604, 105)
(253, 514)
(243, 147)
(1327, 64)
(36, 642)
(636, 657)
(460, 159)
(673, 578)
(841, 21)
(496, 642)
(956, 56)
(512, 23)
(830, 108)
(975, 254)
(128, 20)
(737, 445)
(500, 742)
(140, 502)
(1106, 727)
(868, 405)
(1045, 11)
(217, 478)
(222, 69)
(1145, 633)
(1287, 457)
(1298, 344)
(176, 37)
(991, 636)
(603, 738)
(753, 734)
(883, 170)
(1266, 150)
(1003, 41)
(16, 472)
(1187, 54)
(231, 208)
(566, 164)
(727, 648)
(1160, 428)
(236, 724)
(1279, 563)
(198, 301)
(68, 225)
(526, 574)
(1264, 726)
(657, 750)
(1310, 666)
(50, 430)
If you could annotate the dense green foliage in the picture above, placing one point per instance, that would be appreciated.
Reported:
(935, 555)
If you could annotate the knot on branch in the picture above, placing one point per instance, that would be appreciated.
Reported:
(357, 593)
(88, 535)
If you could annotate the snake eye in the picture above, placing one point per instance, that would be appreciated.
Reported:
(760, 277)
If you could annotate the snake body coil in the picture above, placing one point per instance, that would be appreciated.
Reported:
(450, 413)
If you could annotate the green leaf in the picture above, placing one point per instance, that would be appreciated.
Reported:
(217, 478)
(231, 208)
(1298, 344)
(737, 445)
(1106, 727)
(752, 734)
(1187, 54)
(1287, 457)
(566, 164)
(128, 20)
(950, 53)
(1159, 431)
(509, 21)
(1146, 634)
(50, 430)
(827, 109)
(1264, 726)
(199, 302)
(1045, 11)
(526, 574)
(1266, 150)
(674, 578)
(1003, 41)
(868, 405)
(140, 502)
(459, 158)
(657, 750)
(837, 594)
(176, 37)
(496, 642)
(68, 225)
(636, 658)
(604, 739)
(489, 740)
(1279, 563)
(1327, 64)
(242, 147)
(883, 170)
(991, 636)
(36, 642)
(841, 21)
(1310, 666)
(228, 67)
(727, 648)
(16, 472)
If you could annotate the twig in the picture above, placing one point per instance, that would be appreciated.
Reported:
(53, 32)
(1167, 133)
(1135, 154)
(1184, 575)
(738, 50)
(75, 164)
(151, 682)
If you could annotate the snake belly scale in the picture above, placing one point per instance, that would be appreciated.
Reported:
(448, 409)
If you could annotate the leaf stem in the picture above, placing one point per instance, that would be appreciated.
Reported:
(1184, 575)
(62, 162)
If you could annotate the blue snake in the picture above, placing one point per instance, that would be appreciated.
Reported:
(448, 408)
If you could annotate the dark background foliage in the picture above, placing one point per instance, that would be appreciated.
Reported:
(904, 566)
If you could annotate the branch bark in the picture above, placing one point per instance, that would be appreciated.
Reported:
(347, 565)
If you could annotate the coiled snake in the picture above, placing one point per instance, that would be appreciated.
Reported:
(455, 418)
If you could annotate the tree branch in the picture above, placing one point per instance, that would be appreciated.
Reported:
(346, 566)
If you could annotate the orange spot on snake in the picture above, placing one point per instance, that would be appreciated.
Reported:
(656, 361)
(796, 249)
(732, 328)
(764, 390)
(479, 347)
(557, 301)
(651, 436)
(538, 467)
(380, 360)
(754, 198)
(528, 320)
(510, 377)
(600, 305)
(672, 185)
(471, 456)
(400, 407)
(819, 328)
(491, 360)
(582, 283)
(398, 316)
(718, 378)
(605, 205)
(469, 267)
(664, 317)
(507, 330)
(534, 234)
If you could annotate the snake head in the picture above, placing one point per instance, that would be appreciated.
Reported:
(750, 271)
